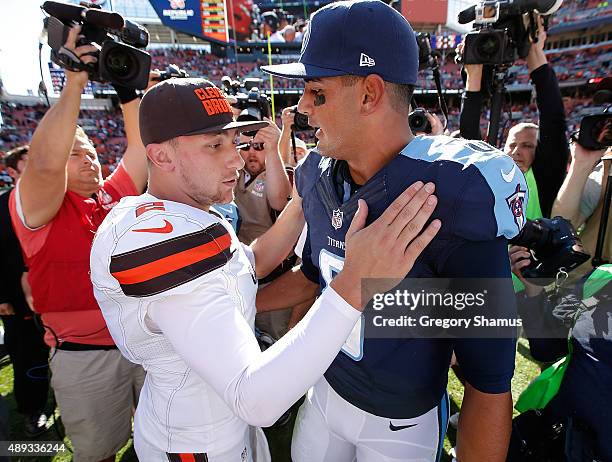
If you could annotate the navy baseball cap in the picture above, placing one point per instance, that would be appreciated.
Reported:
(359, 37)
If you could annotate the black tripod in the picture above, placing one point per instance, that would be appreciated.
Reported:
(498, 91)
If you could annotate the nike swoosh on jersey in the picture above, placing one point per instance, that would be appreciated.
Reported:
(167, 228)
(394, 428)
(508, 177)
(161, 266)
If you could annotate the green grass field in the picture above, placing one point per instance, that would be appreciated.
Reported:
(526, 369)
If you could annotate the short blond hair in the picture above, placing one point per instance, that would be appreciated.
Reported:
(524, 126)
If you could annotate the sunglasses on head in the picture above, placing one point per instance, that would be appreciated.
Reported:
(249, 145)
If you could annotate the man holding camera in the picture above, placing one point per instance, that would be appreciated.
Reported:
(59, 202)
(541, 152)
(263, 188)
(385, 399)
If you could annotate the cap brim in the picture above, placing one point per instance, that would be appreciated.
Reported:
(301, 71)
(241, 126)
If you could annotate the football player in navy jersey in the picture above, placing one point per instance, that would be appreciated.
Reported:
(385, 399)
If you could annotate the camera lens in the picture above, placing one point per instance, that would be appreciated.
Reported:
(602, 132)
(487, 46)
(121, 63)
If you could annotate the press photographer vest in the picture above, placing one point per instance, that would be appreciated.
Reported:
(255, 211)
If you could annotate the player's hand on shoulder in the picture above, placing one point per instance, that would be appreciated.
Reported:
(387, 248)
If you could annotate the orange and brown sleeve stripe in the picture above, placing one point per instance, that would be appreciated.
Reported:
(159, 267)
(187, 457)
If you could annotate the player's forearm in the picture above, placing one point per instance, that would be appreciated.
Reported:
(53, 138)
(135, 157)
(290, 289)
(284, 147)
(257, 386)
(274, 245)
(278, 186)
(485, 424)
(567, 203)
(293, 364)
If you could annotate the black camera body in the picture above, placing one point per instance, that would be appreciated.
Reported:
(248, 96)
(500, 35)
(596, 131)
(171, 72)
(554, 245)
(120, 59)
(426, 57)
(300, 122)
(418, 121)
(490, 46)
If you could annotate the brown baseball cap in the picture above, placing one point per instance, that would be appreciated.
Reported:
(184, 107)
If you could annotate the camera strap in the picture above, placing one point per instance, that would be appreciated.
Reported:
(69, 60)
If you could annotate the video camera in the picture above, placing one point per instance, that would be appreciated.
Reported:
(500, 35)
(120, 61)
(418, 121)
(248, 96)
(554, 246)
(596, 131)
(171, 72)
(426, 57)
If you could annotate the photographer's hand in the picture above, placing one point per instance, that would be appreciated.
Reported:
(520, 258)
(78, 79)
(585, 158)
(284, 144)
(536, 57)
(278, 186)
(437, 127)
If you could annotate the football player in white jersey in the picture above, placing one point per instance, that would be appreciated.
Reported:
(177, 289)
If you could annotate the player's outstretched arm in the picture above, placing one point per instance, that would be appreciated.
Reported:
(484, 414)
(289, 289)
(274, 245)
(44, 181)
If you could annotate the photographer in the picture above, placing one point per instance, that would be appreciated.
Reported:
(541, 152)
(580, 198)
(59, 202)
(584, 399)
(263, 188)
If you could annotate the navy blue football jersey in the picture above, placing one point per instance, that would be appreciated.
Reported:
(482, 196)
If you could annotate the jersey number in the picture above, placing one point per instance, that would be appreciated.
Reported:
(330, 266)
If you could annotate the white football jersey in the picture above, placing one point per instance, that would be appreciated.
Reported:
(149, 250)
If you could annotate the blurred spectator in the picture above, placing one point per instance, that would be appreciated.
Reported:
(23, 338)
(288, 33)
(270, 27)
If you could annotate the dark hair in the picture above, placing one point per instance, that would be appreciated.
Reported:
(13, 157)
(401, 94)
